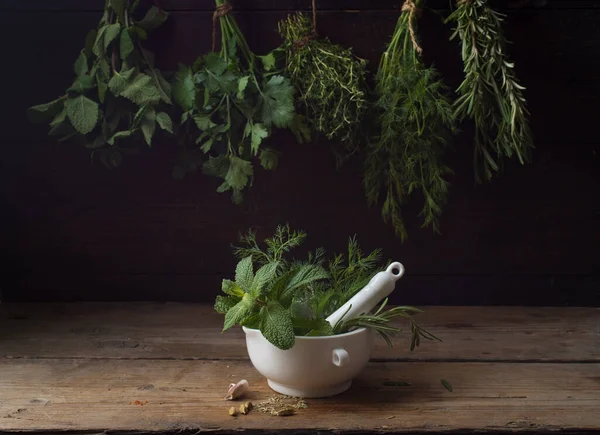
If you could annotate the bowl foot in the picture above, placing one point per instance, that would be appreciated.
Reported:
(309, 393)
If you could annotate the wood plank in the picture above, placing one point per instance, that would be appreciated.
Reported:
(99, 395)
(190, 331)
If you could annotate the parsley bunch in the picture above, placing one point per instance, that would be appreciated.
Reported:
(331, 81)
(231, 101)
(415, 119)
(285, 297)
(117, 92)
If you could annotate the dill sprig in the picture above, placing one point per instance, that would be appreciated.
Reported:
(415, 122)
(490, 93)
(330, 80)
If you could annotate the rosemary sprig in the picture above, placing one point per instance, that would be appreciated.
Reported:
(381, 320)
(330, 80)
(415, 119)
(490, 93)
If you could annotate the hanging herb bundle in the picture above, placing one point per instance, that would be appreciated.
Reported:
(232, 100)
(117, 92)
(414, 124)
(331, 81)
(490, 93)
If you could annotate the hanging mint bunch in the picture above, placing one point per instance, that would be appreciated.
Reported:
(117, 93)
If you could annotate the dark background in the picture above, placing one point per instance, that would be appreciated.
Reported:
(72, 230)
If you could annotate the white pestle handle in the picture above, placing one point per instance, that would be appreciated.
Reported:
(380, 286)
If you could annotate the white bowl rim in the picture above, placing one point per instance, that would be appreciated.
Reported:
(319, 337)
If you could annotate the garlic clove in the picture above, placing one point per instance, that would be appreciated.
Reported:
(237, 390)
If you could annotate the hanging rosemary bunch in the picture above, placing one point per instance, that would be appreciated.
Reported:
(490, 93)
(231, 102)
(415, 121)
(117, 92)
(331, 81)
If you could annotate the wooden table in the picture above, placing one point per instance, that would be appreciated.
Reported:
(154, 368)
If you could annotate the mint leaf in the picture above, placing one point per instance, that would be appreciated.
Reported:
(126, 44)
(139, 32)
(263, 276)
(268, 61)
(244, 274)
(120, 80)
(81, 64)
(102, 87)
(225, 303)
(239, 172)
(183, 89)
(276, 325)
(83, 113)
(148, 125)
(164, 87)
(269, 159)
(81, 85)
(45, 111)
(305, 275)
(154, 18)
(90, 40)
(164, 121)
(98, 49)
(119, 135)
(239, 312)
(119, 8)
(259, 132)
(112, 31)
(231, 288)
(142, 90)
(278, 107)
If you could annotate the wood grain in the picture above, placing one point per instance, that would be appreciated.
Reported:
(98, 395)
(191, 331)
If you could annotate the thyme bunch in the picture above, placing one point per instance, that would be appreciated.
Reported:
(415, 120)
(490, 93)
(330, 80)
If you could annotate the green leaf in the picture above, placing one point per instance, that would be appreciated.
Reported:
(164, 121)
(216, 166)
(231, 288)
(90, 40)
(224, 303)
(242, 85)
(164, 87)
(268, 61)
(263, 276)
(276, 325)
(206, 146)
(41, 112)
(139, 116)
(154, 18)
(104, 67)
(81, 85)
(119, 135)
(269, 159)
(278, 105)
(239, 172)
(204, 122)
(142, 90)
(239, 312)
(102, 87)
(300, 129)
(120, 80)
(447, 385)
(141, 34)
(126, 44)
(98, 142)
(244, 275)
(315, 327)
(119, 8)
(183, 89)
(83, 113)
(148, 125)
(81, 64)
(259, 132)
(112, 31)
(215, 64)
(99, 49)
(305, 275)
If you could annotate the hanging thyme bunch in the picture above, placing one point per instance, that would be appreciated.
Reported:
(490, 93)
(415, 121)
(329, 78)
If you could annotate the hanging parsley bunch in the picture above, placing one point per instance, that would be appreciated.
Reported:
(415, 120)
(490, 93)
(231, 102)
(117, 92)
(329, 78)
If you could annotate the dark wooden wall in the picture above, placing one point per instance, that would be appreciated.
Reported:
(71, 230)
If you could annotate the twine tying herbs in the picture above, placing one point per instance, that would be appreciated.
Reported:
(410, 7)
(220, 11)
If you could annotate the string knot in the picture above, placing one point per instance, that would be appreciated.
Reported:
(220, 11)
(410, 7)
